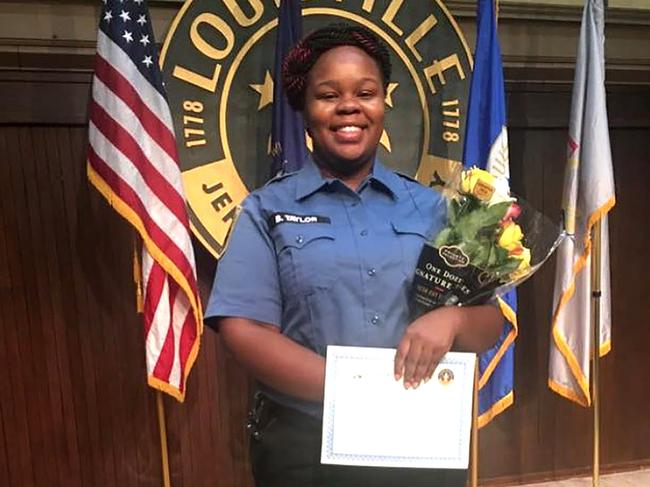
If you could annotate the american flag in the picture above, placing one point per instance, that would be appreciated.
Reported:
(133, 162)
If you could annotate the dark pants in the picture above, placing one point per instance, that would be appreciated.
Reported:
(285, 452)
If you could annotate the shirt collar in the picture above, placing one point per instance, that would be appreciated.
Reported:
(385, 179)
(310, 179)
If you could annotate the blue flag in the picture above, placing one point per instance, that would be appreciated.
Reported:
(486, 147)
(287, 130)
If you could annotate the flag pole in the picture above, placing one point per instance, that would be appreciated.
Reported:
(162, 428)
(474, 447)
(595, 386)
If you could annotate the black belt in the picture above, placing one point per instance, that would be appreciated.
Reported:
(264, 410)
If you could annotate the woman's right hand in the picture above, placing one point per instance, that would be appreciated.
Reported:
(431, 336)
(423, 345)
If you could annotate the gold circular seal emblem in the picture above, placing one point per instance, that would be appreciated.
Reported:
(218, 59)
(446, 376)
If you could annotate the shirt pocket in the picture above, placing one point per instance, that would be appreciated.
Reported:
(412, 235)
(307, 259)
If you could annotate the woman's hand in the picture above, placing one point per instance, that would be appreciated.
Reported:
(430, 337)
(424, 343)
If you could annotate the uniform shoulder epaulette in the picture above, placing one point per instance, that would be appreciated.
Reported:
(280, 177)
(406, 176)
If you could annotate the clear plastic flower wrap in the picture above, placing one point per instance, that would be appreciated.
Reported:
(492, 242)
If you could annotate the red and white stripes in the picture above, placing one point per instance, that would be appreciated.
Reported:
(132, 160)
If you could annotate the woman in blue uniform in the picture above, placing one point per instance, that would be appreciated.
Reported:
(325, 256)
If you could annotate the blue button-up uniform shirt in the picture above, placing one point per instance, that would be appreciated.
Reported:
(325, 264)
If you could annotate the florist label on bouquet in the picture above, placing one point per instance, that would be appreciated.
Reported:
(454, 256)
(445, 277)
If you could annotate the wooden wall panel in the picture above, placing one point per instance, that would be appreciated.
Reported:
(627, 372)
(43, 344)
(14, 307)
(74, 406)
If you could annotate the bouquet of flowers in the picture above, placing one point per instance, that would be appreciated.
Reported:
(492, 242)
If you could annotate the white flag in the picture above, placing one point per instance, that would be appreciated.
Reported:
(588, 197)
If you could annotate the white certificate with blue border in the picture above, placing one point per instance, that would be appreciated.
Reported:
(369, 419)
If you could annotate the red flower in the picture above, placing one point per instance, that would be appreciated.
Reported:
(512, 213)
(516, 251)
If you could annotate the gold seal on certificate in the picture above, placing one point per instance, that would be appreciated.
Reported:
(369, 419)
(445, 376)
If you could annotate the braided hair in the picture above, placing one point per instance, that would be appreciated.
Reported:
(302, 57)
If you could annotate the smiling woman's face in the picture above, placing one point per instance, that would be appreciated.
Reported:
(344, 110)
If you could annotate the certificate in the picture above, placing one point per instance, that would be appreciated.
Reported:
(369, 419)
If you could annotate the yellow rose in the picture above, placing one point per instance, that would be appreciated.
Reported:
(524, 258)
(524, 263)
(511, 236)
(477, 182)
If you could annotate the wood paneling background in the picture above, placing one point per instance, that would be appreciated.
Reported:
(74, 407)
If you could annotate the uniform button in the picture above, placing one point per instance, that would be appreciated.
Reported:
(300, 239)
(375, 319)
(372, 271)
(363, 232)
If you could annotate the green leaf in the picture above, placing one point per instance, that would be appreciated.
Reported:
(496, 212)
(481, 256)
(443, 238)
(501, 255)
(471, 248)
(493, 257)
(469, 226)
(509, 266)
(453, 212)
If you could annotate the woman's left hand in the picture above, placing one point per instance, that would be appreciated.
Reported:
(424, 343)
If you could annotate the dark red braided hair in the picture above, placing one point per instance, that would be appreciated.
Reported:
(299, 61)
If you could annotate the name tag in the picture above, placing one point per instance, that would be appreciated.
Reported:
(277, 218)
